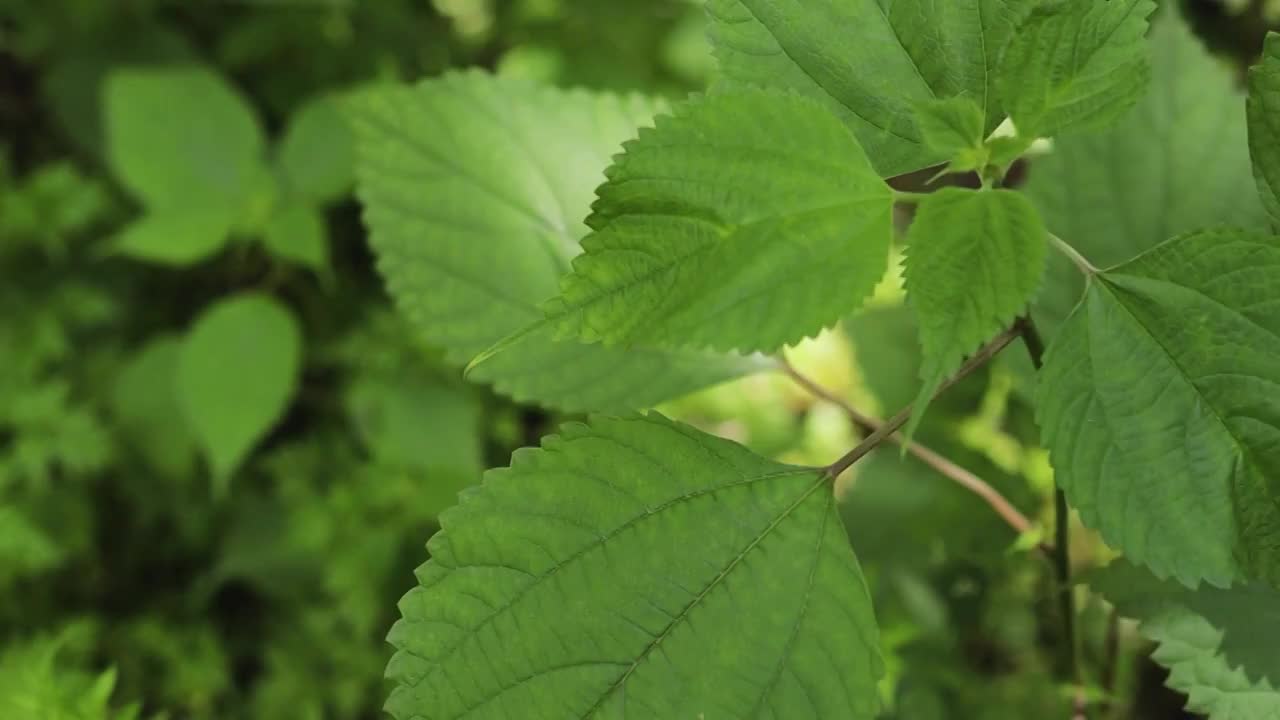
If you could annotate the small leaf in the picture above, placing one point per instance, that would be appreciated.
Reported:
(176, 237)
(1219, 645)
(144, 399)
(1076, 64)
(237, 371)
(1264, 125)
(564, 587)
(744, 222)
(297, 233)
(317, 152)
(1002, 151)
(474, 188)
(1118, 193)
(182, 137)
(974, 260)
(869, 62)
(1160, 405)
(951, 125)
(413, 423)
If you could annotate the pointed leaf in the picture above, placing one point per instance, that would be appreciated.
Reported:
(564, 587)
(1264, 125)
(870, 61)
(1076, 64)
(474, 188)
(237, 371)
(1160, 405)
(974, 260)
(1219, 645)
(743, 222)
(1177, 163)
(297, 233)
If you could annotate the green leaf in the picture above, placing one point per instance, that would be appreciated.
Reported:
(144, 399)
(974, 260)
(409, 422)
(1177, 163)
(317, 153)
(177, 236)
(1076, 64)
(1219, 645)
(743, 222)
(473, 189)
(237, 371)
(951, 125)
(565, 587)
(1160, 405)
(297, 233)
(870, 61)
(1264, 125)
(181, 137)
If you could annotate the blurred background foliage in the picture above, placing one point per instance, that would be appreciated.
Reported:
(219, 461)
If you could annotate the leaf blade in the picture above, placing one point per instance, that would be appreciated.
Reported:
(635, 484)
(1171, 455)
(744, 222)
(974, 261)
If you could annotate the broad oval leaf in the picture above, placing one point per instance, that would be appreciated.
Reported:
(1177, 163)
(870, 61)
(1219, 645)
(744, 221)
(317, 153)
(566, 587)
(474, 188)
(973, 262)
(182, 137)
(1264, 125)
(1160, 404)
(1076, 64)
(237, 371)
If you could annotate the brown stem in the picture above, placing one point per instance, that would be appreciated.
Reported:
(869, 425)
(879, 436)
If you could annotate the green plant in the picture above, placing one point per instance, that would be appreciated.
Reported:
(634, 566)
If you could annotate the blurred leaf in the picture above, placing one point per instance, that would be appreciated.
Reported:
(24, 548)
(297, 233)
(317, 152)
(1219, 645)
(176, 236)
(145, 400)
(182, 138)
(418, 424)
(36, 685)
(474, 188)
(237, 371)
